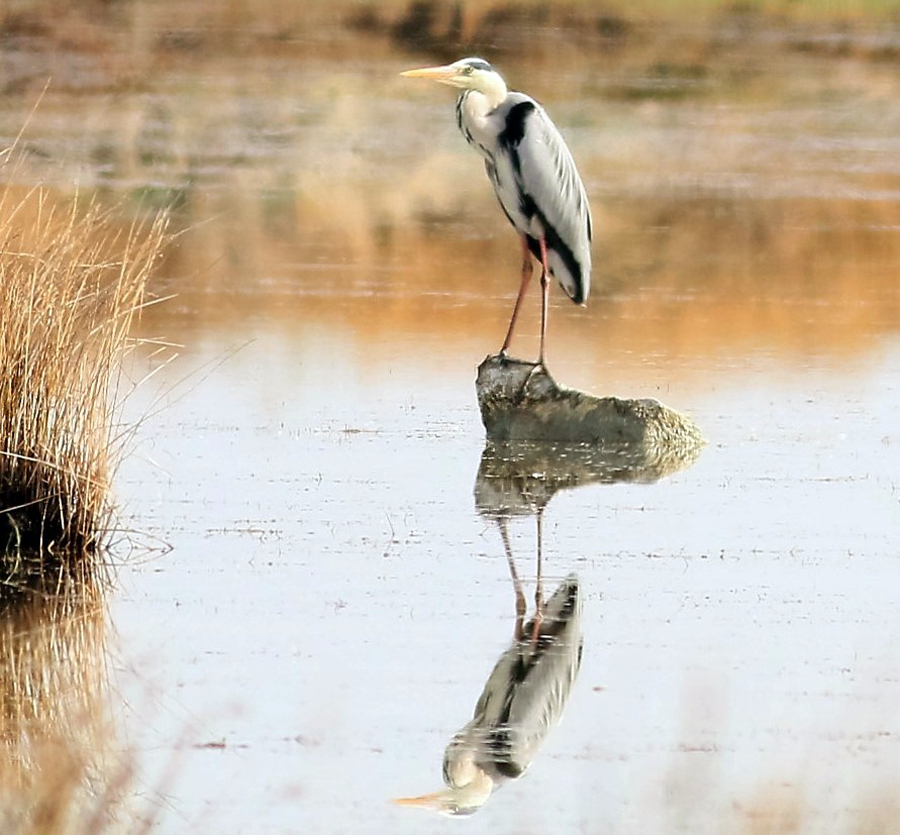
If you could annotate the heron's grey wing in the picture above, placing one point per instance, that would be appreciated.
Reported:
(546, 172)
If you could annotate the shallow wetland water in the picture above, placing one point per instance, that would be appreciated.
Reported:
(317, 600)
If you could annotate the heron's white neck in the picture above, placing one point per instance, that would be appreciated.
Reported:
(482, 99)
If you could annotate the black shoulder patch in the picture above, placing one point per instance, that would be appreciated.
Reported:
(514, 130)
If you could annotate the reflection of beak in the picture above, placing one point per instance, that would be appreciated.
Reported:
(454, 800)
(434, 800)
(434, 73)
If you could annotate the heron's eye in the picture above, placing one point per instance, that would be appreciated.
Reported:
(469, 70)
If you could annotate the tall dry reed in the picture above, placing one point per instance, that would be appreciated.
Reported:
(70, 287)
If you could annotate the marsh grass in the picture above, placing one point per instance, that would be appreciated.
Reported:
(70, 287)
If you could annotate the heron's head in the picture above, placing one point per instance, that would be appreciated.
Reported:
(454, 801)
(468, 786)
(465, 74)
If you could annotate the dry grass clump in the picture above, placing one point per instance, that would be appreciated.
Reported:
(70, 286)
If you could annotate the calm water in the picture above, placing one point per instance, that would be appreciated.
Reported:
(318, 602)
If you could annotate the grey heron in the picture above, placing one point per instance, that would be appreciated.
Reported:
(534, 177)
(523, 699)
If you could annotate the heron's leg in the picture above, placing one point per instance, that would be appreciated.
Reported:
(527, 269)
(539, 583)
(517, 584)
(545, 294)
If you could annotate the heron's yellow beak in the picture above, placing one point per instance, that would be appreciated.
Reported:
(434, 73)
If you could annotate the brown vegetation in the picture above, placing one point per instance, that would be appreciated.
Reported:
(674, 39)
(70, 286)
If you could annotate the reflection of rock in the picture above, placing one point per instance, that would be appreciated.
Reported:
(524, 698)
(518, 477)
(521, 401)
(55, 734)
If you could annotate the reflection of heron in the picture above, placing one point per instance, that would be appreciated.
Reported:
(534, 177)
(523, 699)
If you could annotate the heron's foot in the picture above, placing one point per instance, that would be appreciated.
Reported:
(538, 366)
